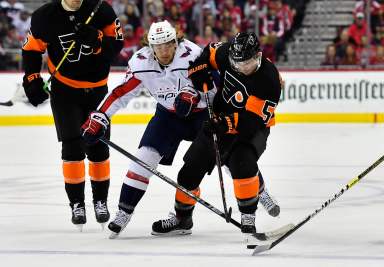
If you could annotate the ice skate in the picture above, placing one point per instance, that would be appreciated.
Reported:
(269, 204)
(101, 212)
(248, 226)
(119, 223)
(78, 215)
(172, 226)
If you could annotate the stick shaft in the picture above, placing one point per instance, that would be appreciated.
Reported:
(329, 201)
(169, 181)
(217, 152)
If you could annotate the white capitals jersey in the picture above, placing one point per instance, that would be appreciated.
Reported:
(163, 83)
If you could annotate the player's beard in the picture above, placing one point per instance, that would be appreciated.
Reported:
(71, 5)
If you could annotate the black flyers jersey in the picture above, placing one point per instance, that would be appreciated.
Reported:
(252, 98)
(53, 30)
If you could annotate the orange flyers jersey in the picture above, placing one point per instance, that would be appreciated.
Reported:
(53, 30)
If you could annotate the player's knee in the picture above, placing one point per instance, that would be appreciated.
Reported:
(97, 152)
(243, 162)
(72, 150)
(189, 177)
(148, 155)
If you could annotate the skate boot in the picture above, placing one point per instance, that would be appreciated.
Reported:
(78, 215)
(101, 212)
(248, 223)
(269, 204)
(119, 223)
(172, 226)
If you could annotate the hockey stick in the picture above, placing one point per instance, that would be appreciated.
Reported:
(18, 96)
(46, 84)
(7, 103)
(262, 248)
(227, 212)
(259, 236)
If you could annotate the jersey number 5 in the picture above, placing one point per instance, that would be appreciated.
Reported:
(268, 110)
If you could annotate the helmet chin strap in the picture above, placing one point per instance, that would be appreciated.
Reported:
(68, 8)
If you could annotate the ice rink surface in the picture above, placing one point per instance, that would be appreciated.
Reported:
(304, 165)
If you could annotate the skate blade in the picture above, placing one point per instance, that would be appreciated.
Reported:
(79, 227)
(247, 238)
(102, 226)
(173, 233)
(113, 235)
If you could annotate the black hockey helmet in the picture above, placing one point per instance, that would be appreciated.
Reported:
(243, 49)
(244, 46)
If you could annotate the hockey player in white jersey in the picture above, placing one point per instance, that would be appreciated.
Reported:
(162, 68)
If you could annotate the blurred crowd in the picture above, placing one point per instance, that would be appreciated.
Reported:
(14, 24)
(218, 20)
(200, 21)
(213, 20)
(359, 43)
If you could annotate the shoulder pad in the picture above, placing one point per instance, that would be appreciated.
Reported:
(141, 59)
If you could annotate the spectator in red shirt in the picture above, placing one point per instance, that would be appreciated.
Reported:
(376, 10)
(272, 26)
(358, 29)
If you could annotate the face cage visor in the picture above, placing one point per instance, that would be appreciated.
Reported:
(248, 66)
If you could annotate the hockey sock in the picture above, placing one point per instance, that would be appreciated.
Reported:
(100, 190)
(99, 173)
(74, 178)
(184, 204)
(75, 192)
(246, 192)
(132, 191)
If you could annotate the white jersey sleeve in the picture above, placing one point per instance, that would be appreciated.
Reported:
(122, 94)
(162, 82)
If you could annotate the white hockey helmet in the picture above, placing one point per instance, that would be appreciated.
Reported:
(161, 32)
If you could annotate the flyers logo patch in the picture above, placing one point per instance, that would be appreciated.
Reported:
(76, 52)
(234, 91)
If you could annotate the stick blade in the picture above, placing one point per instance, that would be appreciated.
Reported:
(274, 234)
(261, 248)
(9, 103)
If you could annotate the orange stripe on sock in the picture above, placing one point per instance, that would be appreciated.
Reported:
(74, 172)
(99, 171)
(185, 199)
(246, 188)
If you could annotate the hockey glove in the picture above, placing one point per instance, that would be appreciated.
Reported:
(88, 35)
(34, 89)
(95, 127)
(186, 101)
(199, 73)
(221, 124)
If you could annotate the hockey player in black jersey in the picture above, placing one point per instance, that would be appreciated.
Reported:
(76, 89)
(244, 112)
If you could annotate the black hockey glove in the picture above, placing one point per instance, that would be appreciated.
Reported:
(186, 101)
(88, 35)
(200, 73)
(95, 127)
(221, 124)
(33, 86)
